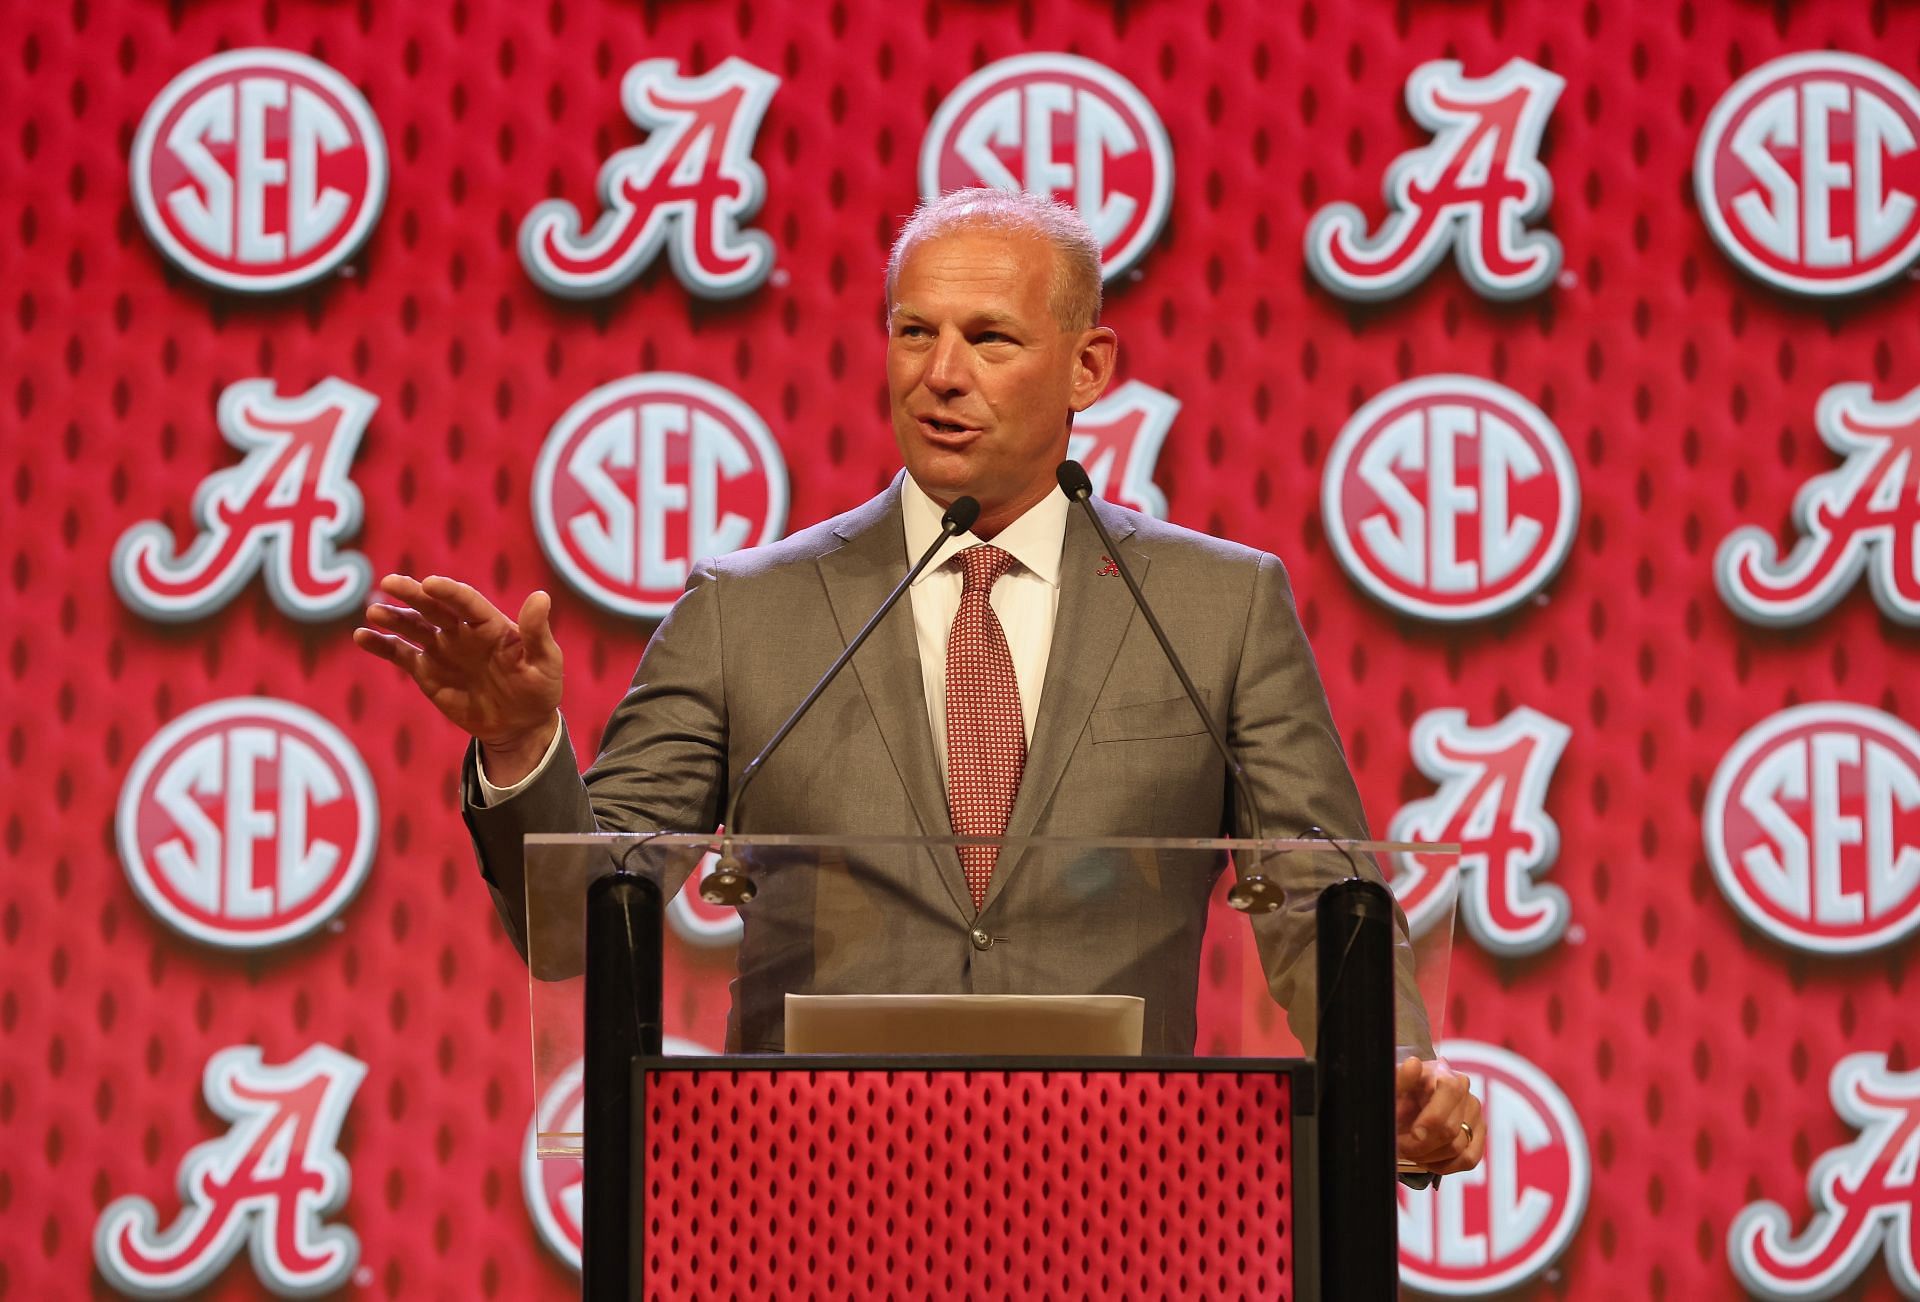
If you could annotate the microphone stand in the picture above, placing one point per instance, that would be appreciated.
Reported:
(729, 884)
(1254, 892)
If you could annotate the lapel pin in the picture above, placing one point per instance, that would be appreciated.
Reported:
(1108, 570)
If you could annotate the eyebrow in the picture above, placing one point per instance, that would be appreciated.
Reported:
(977, 321)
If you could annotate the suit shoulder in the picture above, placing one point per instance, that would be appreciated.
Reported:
(1162, 537)
(799, 550)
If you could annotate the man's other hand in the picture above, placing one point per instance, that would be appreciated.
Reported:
(1437, 1119)
(496, 678)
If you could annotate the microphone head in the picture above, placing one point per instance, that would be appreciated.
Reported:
(961, 515)
(1073, 480)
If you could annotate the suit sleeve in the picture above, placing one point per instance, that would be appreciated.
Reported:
(1282, 729)
(661, 766)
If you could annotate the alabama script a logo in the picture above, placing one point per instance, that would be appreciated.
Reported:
(1865, 1196)
(1118, 440)
(688, 189)
(269, 1183)
(1492, 802)
(281, 511)
(1474, 189)
(1865, 515)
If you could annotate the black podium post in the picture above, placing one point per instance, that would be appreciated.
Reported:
(1359, 1231)
(624, 913)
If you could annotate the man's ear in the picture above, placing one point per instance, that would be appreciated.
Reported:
(1093, 364)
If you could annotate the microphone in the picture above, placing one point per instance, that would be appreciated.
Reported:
(1255, 892)
(728, 885)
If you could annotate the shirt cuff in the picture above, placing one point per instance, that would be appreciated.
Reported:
(492, 795)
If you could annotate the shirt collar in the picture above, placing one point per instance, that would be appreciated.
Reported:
(1035, 540)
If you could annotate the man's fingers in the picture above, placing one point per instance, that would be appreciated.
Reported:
(1407, 1075)
(536, 627)
(410, 624)
(1448, 1131)
(1438, 1113)
(464, 601)
(1456, 1151)
(389, 648)
(409, 590)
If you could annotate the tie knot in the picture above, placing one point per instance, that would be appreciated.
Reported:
(982, 567)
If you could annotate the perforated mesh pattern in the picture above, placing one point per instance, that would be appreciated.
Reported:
(1695, 1053)
(926, 1184)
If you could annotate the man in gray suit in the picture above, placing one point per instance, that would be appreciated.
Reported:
(993, 344)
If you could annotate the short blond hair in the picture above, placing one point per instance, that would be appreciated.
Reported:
(1075, 293)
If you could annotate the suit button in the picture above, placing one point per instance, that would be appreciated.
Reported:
(981, 940)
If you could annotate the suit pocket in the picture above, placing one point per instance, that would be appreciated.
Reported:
(1173, 717)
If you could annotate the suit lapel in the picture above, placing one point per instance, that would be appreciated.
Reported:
(1091, 622)
(858, 578)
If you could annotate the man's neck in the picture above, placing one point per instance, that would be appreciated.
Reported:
(997, 516)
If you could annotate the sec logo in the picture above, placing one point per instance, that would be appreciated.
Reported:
(1487, 1230)
(1809, 173)
(247, 823)
(644, 477)
(1450, 498)
(1812, 826)
(259, 170)
(1062, 126)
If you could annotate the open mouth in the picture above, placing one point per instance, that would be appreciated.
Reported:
(948, 432)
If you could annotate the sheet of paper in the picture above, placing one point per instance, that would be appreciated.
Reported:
(1026, 1025)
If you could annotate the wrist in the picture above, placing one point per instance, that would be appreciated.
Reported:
(513, 755)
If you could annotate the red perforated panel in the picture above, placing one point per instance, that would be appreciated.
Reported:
(1695, 1052)
(937, 1184)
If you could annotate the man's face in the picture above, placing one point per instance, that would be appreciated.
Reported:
(981, 376)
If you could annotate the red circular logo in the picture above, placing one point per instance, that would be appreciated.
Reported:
(1062, 126)
(646, 476)
(1450, 498)
(247, 823)
(259, 170)
(1808, 173)
(1812, 826)
(1487, 1230)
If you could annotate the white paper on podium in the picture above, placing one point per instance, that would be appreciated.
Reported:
(1017, 1025)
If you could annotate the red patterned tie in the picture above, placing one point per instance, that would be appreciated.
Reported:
(986, 740)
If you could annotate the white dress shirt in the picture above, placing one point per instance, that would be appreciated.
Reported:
(1024, 601)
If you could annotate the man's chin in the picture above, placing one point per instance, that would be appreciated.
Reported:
(943, 478)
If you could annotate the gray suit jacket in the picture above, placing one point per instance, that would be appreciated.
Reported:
(1117, 751)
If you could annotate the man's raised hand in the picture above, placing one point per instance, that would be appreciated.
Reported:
(497, 679)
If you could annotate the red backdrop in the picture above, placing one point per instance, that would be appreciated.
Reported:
(1695, 1052)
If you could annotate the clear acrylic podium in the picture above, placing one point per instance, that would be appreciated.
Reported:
(1256, 1120)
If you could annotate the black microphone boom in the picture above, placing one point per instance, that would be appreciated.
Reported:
(1253, 893)
(728, 885)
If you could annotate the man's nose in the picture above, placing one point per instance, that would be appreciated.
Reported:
(950, 368)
